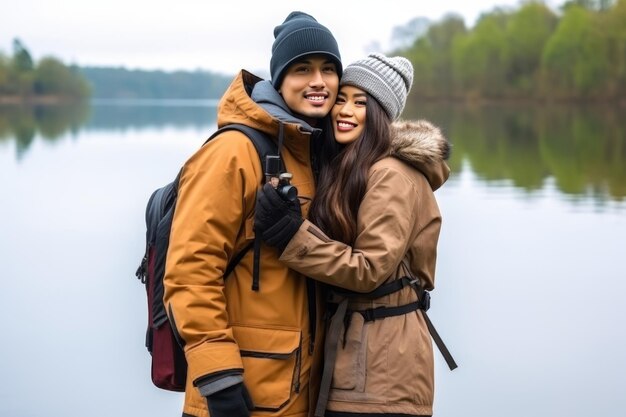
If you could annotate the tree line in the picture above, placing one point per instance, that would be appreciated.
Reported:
(21, 78)
(578, 53)
(532, 52)
(122, 83)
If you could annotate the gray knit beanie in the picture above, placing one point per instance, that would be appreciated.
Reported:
(387, 79)
(300, 35)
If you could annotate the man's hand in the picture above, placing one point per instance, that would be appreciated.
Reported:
(233, 401)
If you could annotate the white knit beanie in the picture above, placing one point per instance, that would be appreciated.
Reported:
(387, 79)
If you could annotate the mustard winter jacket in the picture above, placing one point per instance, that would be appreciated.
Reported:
(224, 324)
(384, 366)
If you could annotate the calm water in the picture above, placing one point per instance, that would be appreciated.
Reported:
(530, 281)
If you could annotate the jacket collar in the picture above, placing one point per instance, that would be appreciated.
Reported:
(423, 146)
(238, 106)
(266, 96)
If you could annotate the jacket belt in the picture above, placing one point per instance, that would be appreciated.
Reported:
(330, 356)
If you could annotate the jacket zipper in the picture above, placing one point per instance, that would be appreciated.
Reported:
(296, 376)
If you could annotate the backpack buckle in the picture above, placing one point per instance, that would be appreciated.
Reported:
(424, 300)
(370, 313)
(141, 271)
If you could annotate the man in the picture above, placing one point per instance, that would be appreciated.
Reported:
(250, 346)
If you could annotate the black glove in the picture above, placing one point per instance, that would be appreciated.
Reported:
(275, 219)
(230, 402)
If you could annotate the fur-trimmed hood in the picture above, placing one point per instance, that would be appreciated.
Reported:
(423, 146)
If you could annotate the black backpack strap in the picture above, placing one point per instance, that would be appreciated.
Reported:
(233, 263)
(330, 357)
(264, 146)
(385, 289)
(439, 342)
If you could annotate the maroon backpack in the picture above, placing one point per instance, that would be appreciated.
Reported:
(169, 367)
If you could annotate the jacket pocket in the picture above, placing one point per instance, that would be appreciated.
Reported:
(349, 373)
(271, 362)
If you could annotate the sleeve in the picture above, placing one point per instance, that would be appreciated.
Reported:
(385, 223)
(215, 187)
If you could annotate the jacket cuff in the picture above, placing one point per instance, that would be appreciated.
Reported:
(303, 241)
(208, 385)
(211, 358)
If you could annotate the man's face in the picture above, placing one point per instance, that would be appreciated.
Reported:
(310, 86)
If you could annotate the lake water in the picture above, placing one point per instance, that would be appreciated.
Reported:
(531, 275)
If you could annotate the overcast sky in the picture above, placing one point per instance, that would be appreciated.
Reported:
(223, 36)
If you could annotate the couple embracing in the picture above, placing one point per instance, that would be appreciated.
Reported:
(333, 324)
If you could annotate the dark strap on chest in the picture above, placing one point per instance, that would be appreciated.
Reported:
(264, 146)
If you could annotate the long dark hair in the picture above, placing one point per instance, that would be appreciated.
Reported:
(343, 180)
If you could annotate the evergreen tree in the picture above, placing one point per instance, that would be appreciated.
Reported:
(22, 60)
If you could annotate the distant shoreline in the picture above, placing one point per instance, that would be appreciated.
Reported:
(546, 101)
(46, 99)
(466, 101)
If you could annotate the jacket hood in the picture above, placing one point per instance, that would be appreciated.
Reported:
(423, 146)
(253, 102)
(266, 96)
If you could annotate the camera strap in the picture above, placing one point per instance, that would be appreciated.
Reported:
(281, 137)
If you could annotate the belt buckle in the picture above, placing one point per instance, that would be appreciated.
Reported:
(425, 300)
(368, 315)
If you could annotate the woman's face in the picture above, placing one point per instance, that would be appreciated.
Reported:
(348, 114)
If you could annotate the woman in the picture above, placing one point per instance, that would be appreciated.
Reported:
(372, 235)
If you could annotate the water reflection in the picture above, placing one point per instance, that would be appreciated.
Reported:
(23, 123)
(138, 114)
(582, 150)
(579, 151)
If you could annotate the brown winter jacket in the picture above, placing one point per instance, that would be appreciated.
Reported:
(225, 325)
(384, 366)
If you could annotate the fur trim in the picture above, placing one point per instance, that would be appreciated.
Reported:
(418, 142)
